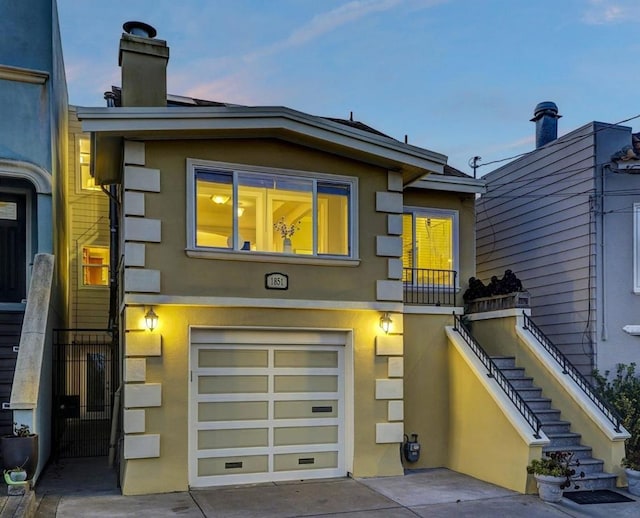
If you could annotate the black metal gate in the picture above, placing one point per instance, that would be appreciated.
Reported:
(85, 376)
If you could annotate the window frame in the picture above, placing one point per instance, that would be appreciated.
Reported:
(80, 185)
(237, 169)
(455, 231)
(81, 266)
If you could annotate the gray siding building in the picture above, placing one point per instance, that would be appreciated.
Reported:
(563, 218)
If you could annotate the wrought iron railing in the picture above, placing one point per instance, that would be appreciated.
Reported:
(429, 287)
(495, 373)
(568, 369)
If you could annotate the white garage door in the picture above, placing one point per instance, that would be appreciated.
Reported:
(266, 406)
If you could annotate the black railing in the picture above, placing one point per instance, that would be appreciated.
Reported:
(495, 373)
(568, 369)
(429, 287)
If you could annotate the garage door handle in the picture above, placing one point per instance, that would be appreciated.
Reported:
(319, 409)
(307, 460)
(232, 465)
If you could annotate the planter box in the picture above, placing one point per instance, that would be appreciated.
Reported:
(20, 452)
(518, 299)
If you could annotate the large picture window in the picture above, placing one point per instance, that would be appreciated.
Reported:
(430, 245)
(275, 212)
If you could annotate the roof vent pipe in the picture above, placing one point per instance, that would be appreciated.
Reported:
(139, 29)
(546, 118)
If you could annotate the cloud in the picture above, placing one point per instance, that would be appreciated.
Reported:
(326, 22)
(604, 12)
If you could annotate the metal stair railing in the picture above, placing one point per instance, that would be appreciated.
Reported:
(573, 373)
(494, 372)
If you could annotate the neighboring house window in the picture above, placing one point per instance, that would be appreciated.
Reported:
(87, 181)
(636, 248)
(269, 211)
(429, 246)
(95, 266)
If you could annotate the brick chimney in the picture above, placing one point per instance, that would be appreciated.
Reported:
(144, 66)
(546, 118)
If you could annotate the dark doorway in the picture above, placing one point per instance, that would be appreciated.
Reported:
(13, 244)
(84, 379)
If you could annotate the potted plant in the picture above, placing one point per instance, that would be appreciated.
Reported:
(20, 449)
(623, 394)
(554, 473)
(286, 231)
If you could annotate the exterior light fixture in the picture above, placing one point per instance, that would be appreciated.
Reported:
(150, 319)
(385, 322)
(219, 199)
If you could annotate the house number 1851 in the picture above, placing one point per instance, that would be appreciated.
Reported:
(276, 281)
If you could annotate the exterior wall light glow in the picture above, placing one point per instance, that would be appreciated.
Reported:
(150, 319)
(385, 323)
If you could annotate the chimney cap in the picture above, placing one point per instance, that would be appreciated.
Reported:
(139, 29)
(545, 108)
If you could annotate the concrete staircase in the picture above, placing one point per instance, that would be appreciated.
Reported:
(557, 430)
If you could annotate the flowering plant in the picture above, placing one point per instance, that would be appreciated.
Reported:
(557, 464)
(284, 229)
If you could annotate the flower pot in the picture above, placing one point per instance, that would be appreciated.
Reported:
(20, 452)
(14, 476)
(633, 479)
(549, 487)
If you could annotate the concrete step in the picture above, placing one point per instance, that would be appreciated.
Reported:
(589, 465)
(579, 451)
(564, 439)
(530, 393)
(593, 481)
(556, 426)
(522, 383)
(512, 373)
(540, 403)
(549, 415)
(504, 362)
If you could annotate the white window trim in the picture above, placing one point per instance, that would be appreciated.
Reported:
(636, 248)
(80, 188)
(204, 252)
(81, 265)
(456, 232)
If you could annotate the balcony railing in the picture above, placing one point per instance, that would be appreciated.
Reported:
(429, 287)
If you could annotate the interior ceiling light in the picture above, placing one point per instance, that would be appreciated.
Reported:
(219, 199)
(240, 211)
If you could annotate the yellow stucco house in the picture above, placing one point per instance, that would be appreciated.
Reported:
(302, 271)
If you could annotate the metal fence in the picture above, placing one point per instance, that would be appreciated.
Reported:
(429, 287)
(85, 376)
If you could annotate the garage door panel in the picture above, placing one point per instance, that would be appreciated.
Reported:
(265, 411)
(233, 465)
(235, 438)
(233, 411)
(232, 384)
(305, 359)
(296, 435)
(233, 358)
(306, 461)
(306, 409)
(305, 384)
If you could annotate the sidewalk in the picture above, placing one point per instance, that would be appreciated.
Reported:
(76, 488)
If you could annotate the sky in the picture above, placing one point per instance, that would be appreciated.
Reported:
(459, 77)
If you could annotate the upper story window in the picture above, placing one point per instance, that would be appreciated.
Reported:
(249, 209)
(95, 266)
(636, 248)
(430, 245)
(83, 147)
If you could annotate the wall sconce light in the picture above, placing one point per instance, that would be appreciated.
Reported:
(240, 211)
(385, 322)
(150, 319)
(219, 199)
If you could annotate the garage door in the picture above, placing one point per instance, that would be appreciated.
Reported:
(266, 406)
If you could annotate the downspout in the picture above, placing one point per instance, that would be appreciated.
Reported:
(604, 332)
